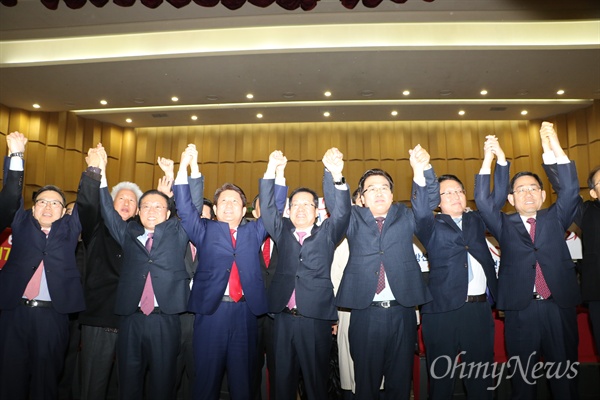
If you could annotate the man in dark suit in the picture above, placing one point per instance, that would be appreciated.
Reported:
(383, 283)
(537, 284)
(228, 292)
(13, 178)
(39, 286)
(461, 272)
(153, 290)
(301, 294)
(102, 266)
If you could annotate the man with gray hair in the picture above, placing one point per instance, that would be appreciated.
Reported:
(103, 259)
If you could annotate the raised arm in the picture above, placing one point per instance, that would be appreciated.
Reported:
(423, 190)
(113, 221)
(11, 195)
(269, 213)
(88, 196)
(337, 200)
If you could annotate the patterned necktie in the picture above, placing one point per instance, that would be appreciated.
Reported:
(147, 300)
(540, 283)
(458, 222)
(33, 287)
(266, 252)
(235, 286)
(292, 303)
(381, 280)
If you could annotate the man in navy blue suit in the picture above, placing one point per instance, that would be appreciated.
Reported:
(461, 273)
(228, 291)
(537, 283)
(301, 294)
(383, 283)
(40, 285)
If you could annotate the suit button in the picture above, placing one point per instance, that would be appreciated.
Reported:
(118, 256)
(381, 252)
(467, 247)
(466, 265)
(44, 253)
(150, 261)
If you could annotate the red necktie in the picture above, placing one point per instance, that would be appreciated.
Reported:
(292, 302)
(33, 287)
(147, 300)
(235, 286)
(540, 282)
(381, 280)
(266, 252)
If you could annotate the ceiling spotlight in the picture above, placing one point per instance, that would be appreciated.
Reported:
(406, 92)
(194, 117)
(212, 97)
(36, 105)
(560, 92)
(249, 96)
(103, 102)
(174, 98)
(129, 120)
(394, 113)
(461, 112)
(327, 94)
(288, 95)
(524, 112)
(445, 93)
(259, 115)
(326, 114)
(483, 92)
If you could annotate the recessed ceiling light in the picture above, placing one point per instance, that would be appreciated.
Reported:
(524, 112)
(36, 105)
(326, 114)
(327, 93)
(174, 98)
(367, 93)
(259, 115)
(103, 102)
(559, 92)
(483, 92)
(129, 120)
(288, 95)
(249, 96)
(406, 92)
(139, 100)
(212, 97)
(194, 117)
(394, 113)
(461, 112)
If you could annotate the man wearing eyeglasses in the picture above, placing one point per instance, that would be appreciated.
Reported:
(461, 276)
(537, 284)
(383, 283)
(40, 286)
(153, 290)
(301, 293)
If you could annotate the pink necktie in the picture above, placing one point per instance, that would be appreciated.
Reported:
(33, 287)
(381, 280)
(235, 285)
(147, 300)
(540, 282)
(193, 250)
(292, 303)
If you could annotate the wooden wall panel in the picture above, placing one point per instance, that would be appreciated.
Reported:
(210, 144)
(227, 139)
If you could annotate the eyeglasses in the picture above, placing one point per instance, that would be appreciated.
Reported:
(43, 203)
(302, 205)
(523, 190)
(156, 207)
(453, 193)
(377, 189)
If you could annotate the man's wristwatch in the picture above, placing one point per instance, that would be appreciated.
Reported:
(17, 154)
(340, 182)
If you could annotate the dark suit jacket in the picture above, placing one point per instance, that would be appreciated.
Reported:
(447, 251)
(165, 261)
(268, 273)
(29, 247)
(213, 242)
(516, 276)
(10, 194)
(306, 268)
(393, 247)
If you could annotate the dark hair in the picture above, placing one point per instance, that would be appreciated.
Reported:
(524, 173)
(590, 180)
(355, 195)
(229, 186)
(373, 172)
(51, 188)
(305, 190)
(207, 202)
(450, 177)
(254, 201)
(153, 191)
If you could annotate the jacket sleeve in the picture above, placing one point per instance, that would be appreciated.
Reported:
(422, 206)
(197, 192)
(113, 221)
(11, 195)
(88, 204)
(270, 216)
(339, 205)
(194, 226)
(488, 203)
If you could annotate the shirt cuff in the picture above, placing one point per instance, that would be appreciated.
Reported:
(485, 171)
(181, 178)
(549, 158)
(195, 175)
(16, 164)
(103, 182)
(278, 181)
(420, 181)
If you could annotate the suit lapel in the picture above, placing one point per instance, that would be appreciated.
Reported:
(446, 219)
(516, 220)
